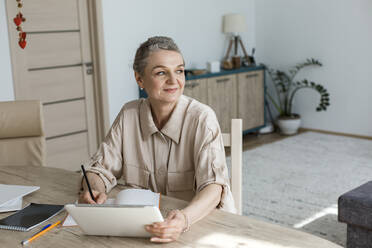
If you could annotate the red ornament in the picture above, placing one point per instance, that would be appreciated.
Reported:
(22, 35)
(17, 20)
(22, 44)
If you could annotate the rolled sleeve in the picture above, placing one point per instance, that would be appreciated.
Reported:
(107, 162)
(211, 165)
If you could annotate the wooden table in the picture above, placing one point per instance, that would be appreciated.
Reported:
(219, 229)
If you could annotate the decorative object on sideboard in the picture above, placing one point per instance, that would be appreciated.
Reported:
(195, 72)
(250, 60)
(18, 22)
(233, 24)
(286, 87)
(227, 65)
(213, 66)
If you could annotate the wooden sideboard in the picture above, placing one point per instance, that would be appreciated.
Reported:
(231, 94)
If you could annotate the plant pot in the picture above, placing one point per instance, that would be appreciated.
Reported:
(289, 124)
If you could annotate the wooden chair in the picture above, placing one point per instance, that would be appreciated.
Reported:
(234, 140)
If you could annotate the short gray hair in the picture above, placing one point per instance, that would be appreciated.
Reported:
(151, 45)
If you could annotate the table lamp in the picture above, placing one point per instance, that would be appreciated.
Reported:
(233, 24)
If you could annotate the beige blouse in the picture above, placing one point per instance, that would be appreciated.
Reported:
(179, 160)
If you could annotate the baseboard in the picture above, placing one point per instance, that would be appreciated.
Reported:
(336, 133)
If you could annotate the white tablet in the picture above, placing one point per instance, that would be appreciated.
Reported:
(114, 220)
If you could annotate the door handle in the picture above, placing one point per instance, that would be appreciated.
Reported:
(223, 80)
(89, 68)
(191, 85)
(251, 75)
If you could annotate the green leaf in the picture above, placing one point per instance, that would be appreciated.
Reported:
(286, 87)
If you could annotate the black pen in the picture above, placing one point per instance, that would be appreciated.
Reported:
(86, 179)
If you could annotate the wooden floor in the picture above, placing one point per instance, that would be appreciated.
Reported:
(253, 140)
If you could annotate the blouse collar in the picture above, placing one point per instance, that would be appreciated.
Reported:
(172, 128)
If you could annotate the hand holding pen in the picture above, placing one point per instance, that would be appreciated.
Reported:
(91, 196)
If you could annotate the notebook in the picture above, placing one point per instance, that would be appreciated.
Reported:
(30, 217)
(142, 197)
(11, 196)
(127, 197)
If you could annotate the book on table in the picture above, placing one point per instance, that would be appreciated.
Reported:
(11, 196)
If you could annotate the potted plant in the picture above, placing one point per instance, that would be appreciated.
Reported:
(286, 88)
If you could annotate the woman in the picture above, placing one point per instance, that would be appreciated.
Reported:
(168, 143)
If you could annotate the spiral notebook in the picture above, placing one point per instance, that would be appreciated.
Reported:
(30, 217)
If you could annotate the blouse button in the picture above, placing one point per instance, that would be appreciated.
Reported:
(161, 171)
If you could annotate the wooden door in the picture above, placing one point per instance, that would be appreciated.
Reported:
(251, 99)
(222, 99)
(56, 67)
(197, 89)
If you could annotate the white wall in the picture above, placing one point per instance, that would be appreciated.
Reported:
(6, 79)
(194, 25)
(337, 32)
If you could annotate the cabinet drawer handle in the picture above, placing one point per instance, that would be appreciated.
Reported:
(223, 80)
(251, 75)
(191, 85)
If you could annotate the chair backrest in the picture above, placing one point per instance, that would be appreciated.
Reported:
(22, 139)
(234, 140)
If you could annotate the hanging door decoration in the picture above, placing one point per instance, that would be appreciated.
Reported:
(18, 22)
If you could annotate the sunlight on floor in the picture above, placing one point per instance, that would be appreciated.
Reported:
(324, 212)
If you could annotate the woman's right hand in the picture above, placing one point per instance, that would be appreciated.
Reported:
(99, 197)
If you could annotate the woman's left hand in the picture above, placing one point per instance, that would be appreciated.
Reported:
(170, 229)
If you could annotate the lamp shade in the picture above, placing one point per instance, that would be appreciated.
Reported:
(234, 23)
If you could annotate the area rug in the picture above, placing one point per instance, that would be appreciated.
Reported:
(295, 182)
